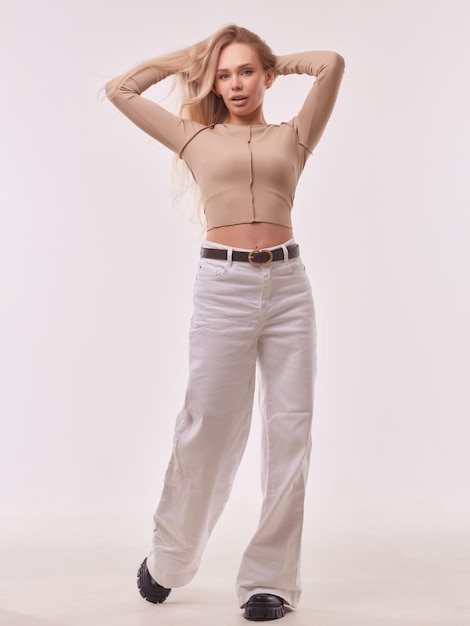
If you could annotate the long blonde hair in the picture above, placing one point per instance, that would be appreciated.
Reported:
(194, 69)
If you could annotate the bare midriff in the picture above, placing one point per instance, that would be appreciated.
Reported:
(253, 236)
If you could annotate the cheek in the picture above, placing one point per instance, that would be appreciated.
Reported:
(260, 89)
(224, 92)
(219, 87)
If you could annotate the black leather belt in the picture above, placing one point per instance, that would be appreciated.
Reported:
(255, 257)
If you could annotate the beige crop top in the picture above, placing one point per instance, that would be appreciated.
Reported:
(245, 173)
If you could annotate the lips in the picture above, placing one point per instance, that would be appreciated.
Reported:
(237, 98)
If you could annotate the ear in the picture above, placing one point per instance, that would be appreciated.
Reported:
(214, 90)
(270, 77)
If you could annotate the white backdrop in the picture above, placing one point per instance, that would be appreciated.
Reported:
(95, 315)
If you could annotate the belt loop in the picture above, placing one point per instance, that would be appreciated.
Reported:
(286, 252)
(229, 256)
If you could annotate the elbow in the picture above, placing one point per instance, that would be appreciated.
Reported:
(111, 88)
(338, 62)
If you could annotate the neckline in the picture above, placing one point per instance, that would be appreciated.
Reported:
(232, 125)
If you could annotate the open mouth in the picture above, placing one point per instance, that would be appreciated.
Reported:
(237, 98)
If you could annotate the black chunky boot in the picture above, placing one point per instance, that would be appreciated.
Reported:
(149, 588)
(264, 606)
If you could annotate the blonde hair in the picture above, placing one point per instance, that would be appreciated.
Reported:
(194, 69)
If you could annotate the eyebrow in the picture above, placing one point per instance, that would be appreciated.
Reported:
(224, 69)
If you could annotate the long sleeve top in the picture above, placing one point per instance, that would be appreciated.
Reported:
(246, 173)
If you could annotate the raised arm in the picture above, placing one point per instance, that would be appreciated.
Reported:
(328, 69)
(125, 93)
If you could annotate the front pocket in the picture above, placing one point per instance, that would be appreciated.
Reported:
(298, 266)
(210, 270)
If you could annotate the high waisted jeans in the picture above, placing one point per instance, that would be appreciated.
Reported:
(244, 317)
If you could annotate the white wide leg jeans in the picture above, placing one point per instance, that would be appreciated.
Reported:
(245, 318)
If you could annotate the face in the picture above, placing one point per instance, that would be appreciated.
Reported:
(241, 81)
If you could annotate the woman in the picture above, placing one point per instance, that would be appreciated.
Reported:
(252, 306)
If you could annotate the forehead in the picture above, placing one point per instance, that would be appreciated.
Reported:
(235, 54)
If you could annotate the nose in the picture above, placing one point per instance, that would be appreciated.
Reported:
(236, 82)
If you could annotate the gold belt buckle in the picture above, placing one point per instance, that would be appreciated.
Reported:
(252, 253)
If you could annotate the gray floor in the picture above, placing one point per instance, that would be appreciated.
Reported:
(357, 571)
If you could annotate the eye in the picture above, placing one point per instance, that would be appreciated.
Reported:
(247, 72)
(223, 76)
